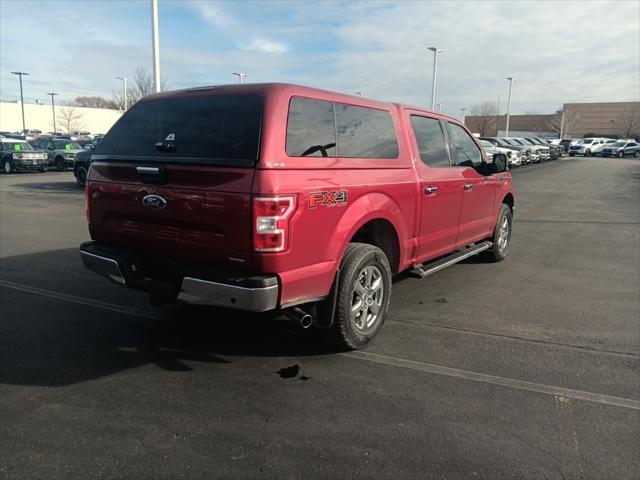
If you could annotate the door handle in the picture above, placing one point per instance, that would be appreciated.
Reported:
(430, 190)
(468, 186)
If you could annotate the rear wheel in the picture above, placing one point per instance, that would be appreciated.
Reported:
(7, 166)
(363, 296)
(636, 154)
(501, 235)
(81, 176)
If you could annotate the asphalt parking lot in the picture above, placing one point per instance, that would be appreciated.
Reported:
(524, 369)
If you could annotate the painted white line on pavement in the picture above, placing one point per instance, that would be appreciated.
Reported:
(495, 380)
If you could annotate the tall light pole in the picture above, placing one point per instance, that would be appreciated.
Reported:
(53, 110)
(439, 107)
(435, 51)
(241, 77)
(508, 106)
(124, 87)
(462, 110)
(20, 74)
(156, 45)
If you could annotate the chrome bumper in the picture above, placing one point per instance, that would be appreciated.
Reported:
(255, 294)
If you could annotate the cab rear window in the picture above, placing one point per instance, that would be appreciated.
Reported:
(219, 129)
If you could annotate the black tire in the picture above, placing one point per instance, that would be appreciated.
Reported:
(501, 244)
(43, 169)
(351, 331)
(587, 153)
(59, 164)
(636, 154)
(81, 176)
(7, 166)
(621, 154)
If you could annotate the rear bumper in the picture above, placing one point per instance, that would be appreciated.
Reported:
(189, 283)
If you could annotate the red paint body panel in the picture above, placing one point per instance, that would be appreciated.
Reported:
(209, 217)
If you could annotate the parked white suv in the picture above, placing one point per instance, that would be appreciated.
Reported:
(588, 147)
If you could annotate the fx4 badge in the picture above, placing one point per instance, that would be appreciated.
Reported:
(328, 199)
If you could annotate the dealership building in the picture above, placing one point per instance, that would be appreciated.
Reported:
(578, 120)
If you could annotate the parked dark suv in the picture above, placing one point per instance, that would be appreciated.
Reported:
(61, 151)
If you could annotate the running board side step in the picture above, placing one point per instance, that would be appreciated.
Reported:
(421, 270)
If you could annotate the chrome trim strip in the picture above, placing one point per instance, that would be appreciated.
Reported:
(148, 170)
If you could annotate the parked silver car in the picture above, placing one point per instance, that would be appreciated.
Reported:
(61, 151)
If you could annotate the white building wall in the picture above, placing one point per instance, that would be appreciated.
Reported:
(94, 120)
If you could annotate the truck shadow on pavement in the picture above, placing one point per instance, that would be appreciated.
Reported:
(53, 341)
(53, 186)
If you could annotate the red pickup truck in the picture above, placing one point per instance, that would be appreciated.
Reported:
(274, 197)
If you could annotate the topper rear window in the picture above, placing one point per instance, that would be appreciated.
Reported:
(218, 129)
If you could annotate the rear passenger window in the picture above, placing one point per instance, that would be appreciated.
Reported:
(310, 129)
(365, 132)
(315, 127)
(465, 151)
(431, 142)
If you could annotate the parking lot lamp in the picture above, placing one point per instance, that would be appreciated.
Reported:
(435, 51)
(20, 74)
(53, 110)
(124, 87)
(241, 77)
(156, 45)
(508, 106)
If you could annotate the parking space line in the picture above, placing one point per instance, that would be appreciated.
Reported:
(373, 357)
(79, 300)
(495, 380)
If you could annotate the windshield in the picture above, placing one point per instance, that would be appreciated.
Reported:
(486, 144)
(64, 145)
(505, 142)
(16, 146)
(224, 129)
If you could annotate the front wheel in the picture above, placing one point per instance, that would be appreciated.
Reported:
(587, 153)
(60, 164)
(501, 235)
(636, 154)
(81, 176)
(621, 154)
(363, 296)
(7, 166)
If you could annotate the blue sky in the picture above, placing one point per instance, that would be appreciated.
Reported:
(558, 51)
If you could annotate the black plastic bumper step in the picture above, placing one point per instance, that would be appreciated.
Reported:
(421, 270)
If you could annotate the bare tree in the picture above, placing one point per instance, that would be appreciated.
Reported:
(69, 118)
(482, 118)
(629, 122)
(562, 126)
(95, 102)
(140, 86)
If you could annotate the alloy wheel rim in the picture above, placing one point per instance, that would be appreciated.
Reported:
(503, 236)
(366, 299)
(7, 167)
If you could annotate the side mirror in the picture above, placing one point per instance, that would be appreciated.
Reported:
(500, 163)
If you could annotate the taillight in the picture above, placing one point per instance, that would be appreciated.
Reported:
(272, 215)
(86, 196)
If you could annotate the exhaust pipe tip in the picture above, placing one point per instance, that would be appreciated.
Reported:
(306, 321)
(299, 316)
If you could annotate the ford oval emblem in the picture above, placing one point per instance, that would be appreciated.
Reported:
(154, 201)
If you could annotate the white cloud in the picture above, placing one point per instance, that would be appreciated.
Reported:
(212, 12)
(267, 46)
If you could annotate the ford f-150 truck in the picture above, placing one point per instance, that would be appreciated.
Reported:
(274, 197)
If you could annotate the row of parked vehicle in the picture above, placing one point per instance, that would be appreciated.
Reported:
(607, 147)
(41, 153)
(522, 151)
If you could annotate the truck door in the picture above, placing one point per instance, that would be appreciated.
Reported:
(440, 189)
(478, 190)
